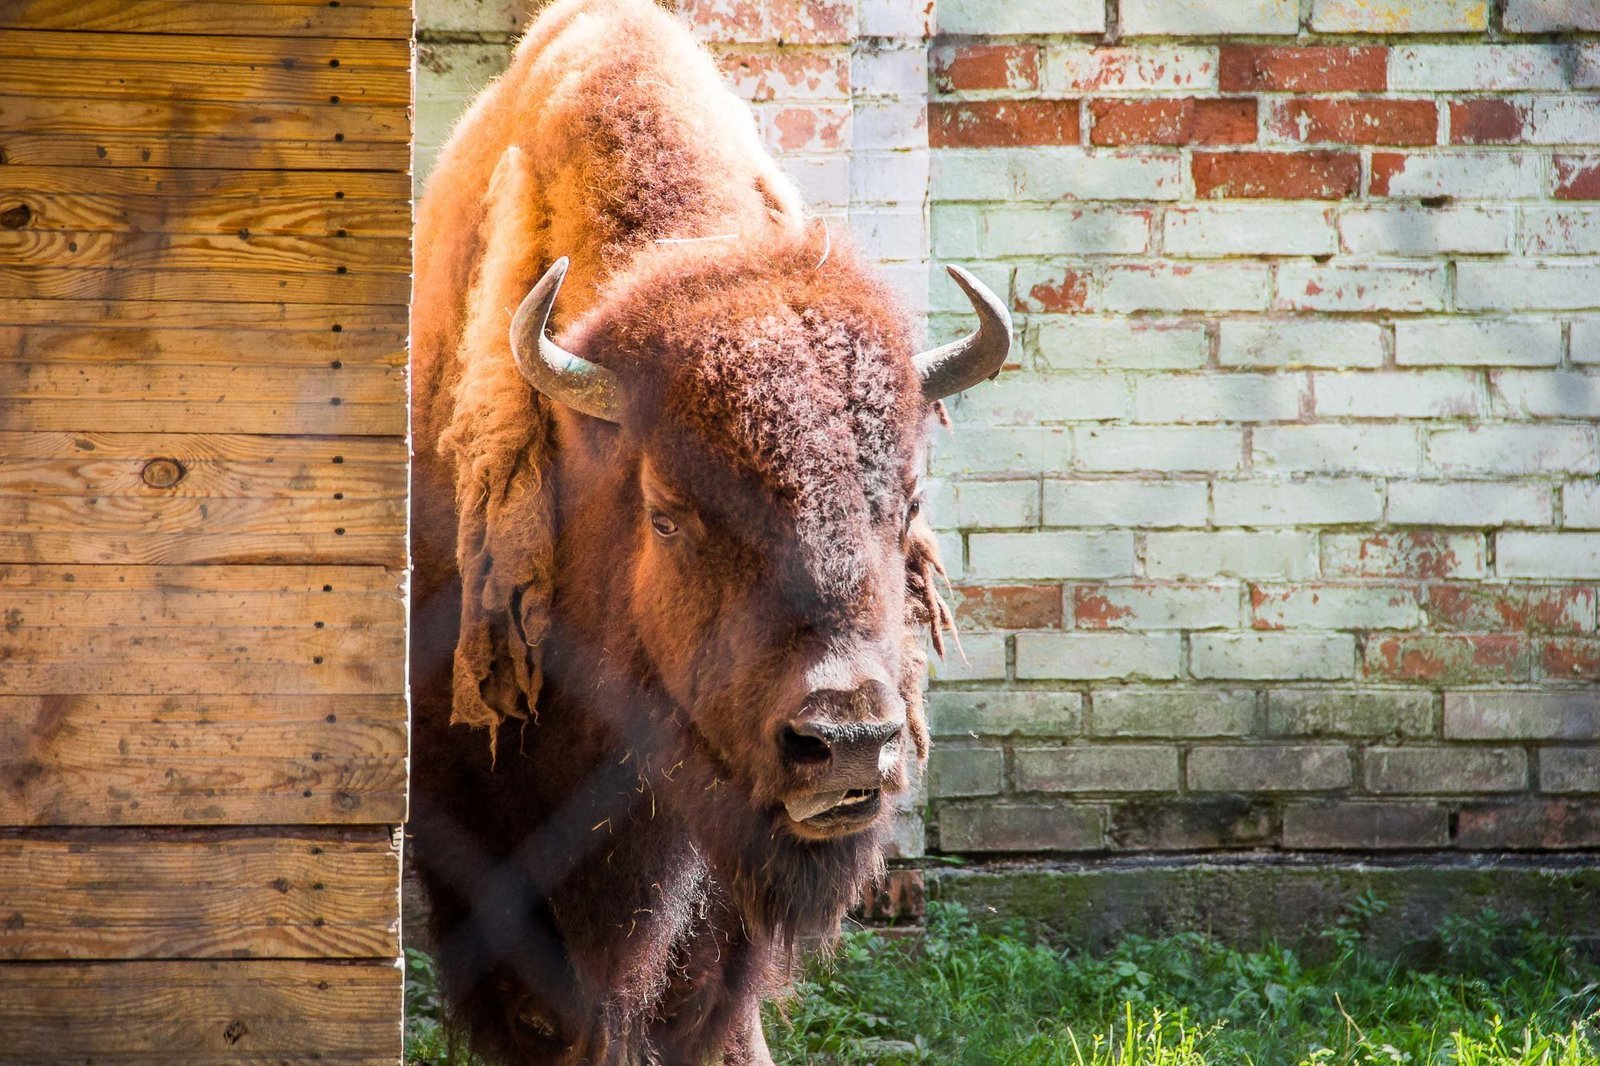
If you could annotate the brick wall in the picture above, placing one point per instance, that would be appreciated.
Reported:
(1283, 530)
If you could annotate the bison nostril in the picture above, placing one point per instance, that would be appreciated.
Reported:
(803, 749)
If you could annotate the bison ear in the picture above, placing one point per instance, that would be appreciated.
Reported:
(961, 364)
(559, 374)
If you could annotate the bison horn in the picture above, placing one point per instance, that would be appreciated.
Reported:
(961, 364)
(550, 368)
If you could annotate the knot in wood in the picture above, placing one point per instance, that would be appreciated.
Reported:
(16, 217)
(162, 473)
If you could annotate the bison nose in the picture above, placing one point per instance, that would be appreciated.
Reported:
(842, 754)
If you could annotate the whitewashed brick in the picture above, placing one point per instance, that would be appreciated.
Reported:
(472, 16)
(1586, 340)
(981, 657)
(955, 230)
(1547, 16)
(1402, 554)
(1073, 69)
(887, 124)
(1491, 449)
(1068, 174)
(1324, 606)
(909, 282)
(1338, 449)
(1580, 505)
(1567, 119)
(1078, 342)
(1228, 553)
(1171, 712)
(1527, 285)
(1096, 656)
(1050, 555)
(1545, 394)
(1185, 287)
(1399, 16)
(952, 554)
(997, 714)
(1398, 394)
(1027, 399)
(824, 181)
(987, 505)
(1153, 504)
(891, 232)
(1002, 450)
(1339, 501)
(1560, 231)
(894, 71)
(1469, 503)
(888, 177)
(1416, 231)
(1097, 768)
(1464, 175)
(1147, 18)
(1159, 607)
(894, 18)
(1547, 555)
(1062, 229)
(1477, 342)
(1213, 230)
(1226, 397)
(1272, 656)
(1292, 342)
(1006, 17)
(1361, 287)
(1483, 68)
(1164, 449)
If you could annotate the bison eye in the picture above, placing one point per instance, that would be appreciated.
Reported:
(663, 525)
(913, 508)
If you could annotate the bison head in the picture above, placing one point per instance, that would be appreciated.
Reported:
(742, 501)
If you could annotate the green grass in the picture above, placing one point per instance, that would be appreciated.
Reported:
(1491, 993)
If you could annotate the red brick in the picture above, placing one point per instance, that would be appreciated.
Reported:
(902, 894)
(725, 20)
(1487, 121)
(1252, 68)
(1447, 659)
(1071, 293)
(788, 75)
(1009, 606)
(1530, 824)
(1366, 825)
(1002, 123)
(1313, 121)
(1186, 121)
(1574, 659)
(1277, 175)
(1513, 608)
(1577, 177)
(972, 67)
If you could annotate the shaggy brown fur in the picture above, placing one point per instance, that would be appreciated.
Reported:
(619, 883)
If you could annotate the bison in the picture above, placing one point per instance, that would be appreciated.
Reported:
(670, 576)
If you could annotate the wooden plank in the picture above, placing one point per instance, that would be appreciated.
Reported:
(180, 548)
(194, 447)
(224, 514)
(186, 185)
(357, 287)
(123, 79)
(185, 251)
(210, 384)
(187, 759)
(243, 644)
(126, 477)
(235, 417)
(151, 893)
(201, 315)
(265, 215)
(306, 55)
(201, 1013)
(111, 149)
(350, 18)
(253, 121)
(181, 677)
(324, 580)
(124, 344)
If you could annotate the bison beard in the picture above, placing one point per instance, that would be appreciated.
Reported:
(617, 691)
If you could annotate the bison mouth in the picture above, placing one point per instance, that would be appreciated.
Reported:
(835, 813)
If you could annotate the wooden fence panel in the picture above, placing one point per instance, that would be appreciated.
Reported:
(204, 276)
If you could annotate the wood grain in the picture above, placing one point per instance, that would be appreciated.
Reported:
(115, 148)
(201, 1013)
(188, 251)
(200, 315)
(246, 286)
(351, 18)
(120, 343)
(198, 894)
(303, 56)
